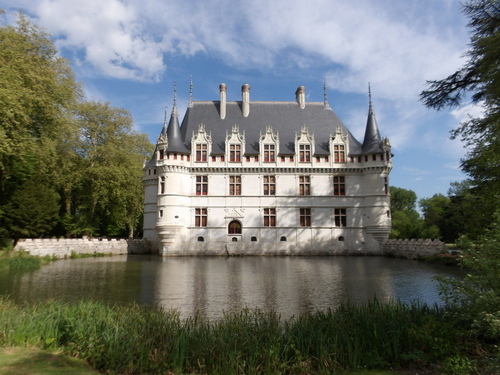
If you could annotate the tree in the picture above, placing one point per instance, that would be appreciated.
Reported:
(36, 88)
(32, 211)
(475, 299)
(108, 192)
(434, 210)
(479, 82)
(406, 222)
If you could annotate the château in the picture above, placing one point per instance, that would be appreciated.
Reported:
(266, 178)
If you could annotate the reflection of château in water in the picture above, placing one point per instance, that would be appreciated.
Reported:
(266, 178)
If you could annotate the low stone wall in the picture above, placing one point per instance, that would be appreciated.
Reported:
(413, 249)
(63, 247)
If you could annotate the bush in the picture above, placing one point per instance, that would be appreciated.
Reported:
(475, 299)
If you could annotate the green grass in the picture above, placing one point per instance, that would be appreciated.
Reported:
(22, 361)
(22, 260)
(135, 339)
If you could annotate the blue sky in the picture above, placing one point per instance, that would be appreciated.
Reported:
(130, 53)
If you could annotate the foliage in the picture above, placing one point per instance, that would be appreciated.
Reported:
(406, 221)
(476, 297)
(479, 80)
(32, 210)
(434, 210)
(83, 156)
(138, 339)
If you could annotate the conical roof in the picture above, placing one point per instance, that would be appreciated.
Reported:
(372, 144)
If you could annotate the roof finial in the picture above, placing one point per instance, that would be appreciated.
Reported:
(174, 108)
(369, 95)
(191, 90)
(325, 97)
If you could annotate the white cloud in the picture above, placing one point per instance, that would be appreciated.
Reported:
(394, 45)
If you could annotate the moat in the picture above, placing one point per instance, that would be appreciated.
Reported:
(288, 285)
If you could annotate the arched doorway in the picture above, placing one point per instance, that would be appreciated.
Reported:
(234, 227)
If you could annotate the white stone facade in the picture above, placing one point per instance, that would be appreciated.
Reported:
(238, 195)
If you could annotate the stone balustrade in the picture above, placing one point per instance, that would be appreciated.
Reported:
(413, 248)
(63, 247)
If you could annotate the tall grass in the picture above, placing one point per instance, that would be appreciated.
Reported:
(136, 339)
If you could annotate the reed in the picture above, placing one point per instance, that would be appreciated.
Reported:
(135, 339)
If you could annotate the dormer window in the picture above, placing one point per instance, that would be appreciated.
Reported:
(304, 153)
(339, 153)
(269, 153)
(201, 152)
(234, 153)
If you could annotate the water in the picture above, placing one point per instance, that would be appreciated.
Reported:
(288, 285)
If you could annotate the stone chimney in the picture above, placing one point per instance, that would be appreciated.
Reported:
(300, 96)
(222, 109)
(245, 99)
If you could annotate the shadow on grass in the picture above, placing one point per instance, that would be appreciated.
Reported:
(22, 361)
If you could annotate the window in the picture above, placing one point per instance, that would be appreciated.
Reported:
(338, 185)
(161, 154)
(214, 158)
(201, 152)
(304, 185)
(234, 153)
(161, 213)
(269, 217)
(269, 185)
(234, 227)
(283, 239)
(253, 239)
(200, 217)
(305, 153)
(374, 157)
(201, 185)
(162, 185)
(201, 239)
(340, 217)
(269, 153)
(339, 153)
(305, 217)
(234, 185)
(386, 185)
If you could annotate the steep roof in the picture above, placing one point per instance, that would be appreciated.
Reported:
(174, 135)
(372, 143)
(286, 118)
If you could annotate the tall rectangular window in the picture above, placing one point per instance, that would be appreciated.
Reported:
(201, 185)
(234, 185)
(162, 185)
(269, 217)
(304, 153)
(234, 153)
(338, 185)
(340, 217)
(200, 217)
(269, 153)
(339, 153)
(201, 152)
(304, 185)
(305, 217)
(269, 185)
(386, 185)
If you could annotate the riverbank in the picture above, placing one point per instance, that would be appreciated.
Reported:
(135, 339)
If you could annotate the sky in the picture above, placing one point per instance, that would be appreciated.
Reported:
(131, 52)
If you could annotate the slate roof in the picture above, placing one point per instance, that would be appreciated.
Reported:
(286, 118)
